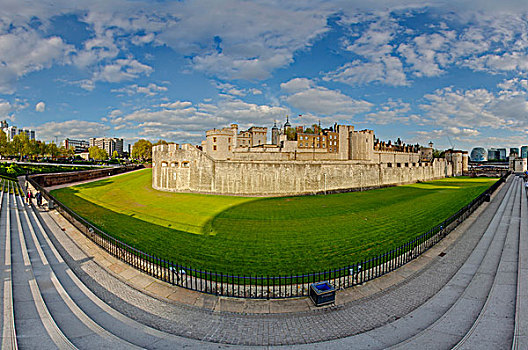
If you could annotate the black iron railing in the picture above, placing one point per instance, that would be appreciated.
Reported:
(265, 286)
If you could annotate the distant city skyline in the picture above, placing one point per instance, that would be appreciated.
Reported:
(454, 73)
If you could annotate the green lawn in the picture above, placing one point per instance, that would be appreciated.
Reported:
(266, 235)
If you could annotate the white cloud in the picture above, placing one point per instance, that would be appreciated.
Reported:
(296, 85)
(122, 69)
(308, 97)
(236, 45)
(40, 107)
(177, 104)
(5, 108)
(115, 113)
(228, 67)
(392, 112)
(428, 54)
(183, 121)
(150, 90)
(376, 47)
(23, 51)
(75, 129)
(230, 90)
(386, 70)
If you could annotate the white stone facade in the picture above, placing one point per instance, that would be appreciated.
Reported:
(270, 170)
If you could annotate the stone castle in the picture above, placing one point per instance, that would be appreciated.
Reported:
(298, 161)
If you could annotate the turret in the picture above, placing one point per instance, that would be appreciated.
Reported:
(275, 134)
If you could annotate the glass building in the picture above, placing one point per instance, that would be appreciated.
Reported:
(479, 154)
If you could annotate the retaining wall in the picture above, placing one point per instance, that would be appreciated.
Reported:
(187, 169)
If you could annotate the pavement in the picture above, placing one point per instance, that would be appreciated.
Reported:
(157, 288)
(95, 296)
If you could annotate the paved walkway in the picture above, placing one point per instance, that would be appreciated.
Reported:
(409, 308)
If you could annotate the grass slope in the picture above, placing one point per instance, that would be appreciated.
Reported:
(266, 235)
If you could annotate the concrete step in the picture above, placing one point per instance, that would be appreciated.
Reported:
(35, 328)
(495, 325)
(76, 326)
(103, 315)
(520, 337)
(6, 288)
(455, 324)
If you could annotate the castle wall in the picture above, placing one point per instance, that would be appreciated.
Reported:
(277, 178)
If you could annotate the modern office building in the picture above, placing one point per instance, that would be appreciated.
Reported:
(12, 131)
(524, 152)
(478, 154)
(108, 144)
(514, 152)
(502, 154)
(78, 146)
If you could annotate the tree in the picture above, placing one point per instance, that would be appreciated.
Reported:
(3, 143)
(66, 152)
(41, 148)
(97, 153)
(31, 148)
(438, 154)
(142, 150)
(19, 146)
(52, 150)
(160, 142)
(115, 155)
(291, 134)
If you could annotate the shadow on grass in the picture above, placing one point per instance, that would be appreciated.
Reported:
(258, 238)
(94, 184)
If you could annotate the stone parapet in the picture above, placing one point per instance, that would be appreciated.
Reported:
(187, 169)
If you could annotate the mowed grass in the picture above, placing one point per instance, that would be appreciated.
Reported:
(274, 236)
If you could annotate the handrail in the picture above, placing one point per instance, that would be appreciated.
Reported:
(260, 286)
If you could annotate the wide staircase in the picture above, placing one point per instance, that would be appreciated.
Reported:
(46, 305)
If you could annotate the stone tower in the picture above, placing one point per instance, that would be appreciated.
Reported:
(275, 134)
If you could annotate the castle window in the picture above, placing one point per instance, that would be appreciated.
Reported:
(214, 147)
(174, 164)
(214, 139)
(398, 165)
(163, 164)
(185, 164)
(330, 149)
(229, 139)
(229, 148)
(324, 145)
(389, 165)
(406, 165)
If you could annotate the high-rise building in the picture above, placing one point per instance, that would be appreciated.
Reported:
(108, 144)
(514, 152)
(478, 154)
(12, 131)
(493, 154)
(524, 152)
(78, 146)
(502, 153)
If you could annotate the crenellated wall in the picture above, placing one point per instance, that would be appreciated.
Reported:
(187, 169)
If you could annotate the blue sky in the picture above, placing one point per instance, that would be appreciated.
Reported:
(455, 73)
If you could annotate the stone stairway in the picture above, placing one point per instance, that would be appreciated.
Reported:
(53, 296)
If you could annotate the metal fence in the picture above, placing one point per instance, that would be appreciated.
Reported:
(265, 286)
